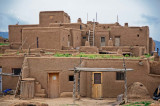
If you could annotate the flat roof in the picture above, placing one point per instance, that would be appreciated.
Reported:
(100, 69)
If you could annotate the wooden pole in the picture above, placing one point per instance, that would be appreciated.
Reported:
(93, 31)
(125, 81)
(74, 86)
(78, 90)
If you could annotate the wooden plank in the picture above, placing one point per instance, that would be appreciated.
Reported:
(9, 74)
(100, 69)
(27, 89)
(96, 85)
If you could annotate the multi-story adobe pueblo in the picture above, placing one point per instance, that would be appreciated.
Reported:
(45, 54)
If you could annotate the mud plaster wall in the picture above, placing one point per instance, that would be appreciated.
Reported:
(66, 25)
(112, 87)
(151, 45)
(155, 67)
(7, 63)
(49, 38)
(40, 67)
(76, 38)
(64, 37)
(129, 36)
(15, 32)
(98, 35)
(45, 18)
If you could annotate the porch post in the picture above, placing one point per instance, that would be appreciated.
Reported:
(125, 82)
(78, 85)
(74, 86)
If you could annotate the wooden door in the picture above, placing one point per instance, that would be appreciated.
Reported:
(117, 41)
(97, 85)
(103, 42)
(53, 85)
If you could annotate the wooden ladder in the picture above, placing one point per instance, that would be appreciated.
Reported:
(18, 84)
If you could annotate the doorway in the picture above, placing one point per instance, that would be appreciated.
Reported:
(103, 43)
(53, 85)
(117, 41)
(97, 85)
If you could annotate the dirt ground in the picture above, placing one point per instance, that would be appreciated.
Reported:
(8, 100)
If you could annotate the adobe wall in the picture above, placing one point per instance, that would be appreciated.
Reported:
(48, 38)
(84, 37)
(64, 38)
(47, 17)
(40, 67)
(7, 63)
(3, 48)
(66, 25)
(155, 67)
(98, 35)
(15, 34)
(76, 38)
(135, 50)
(131, 36)
(151, 45)
(112, 87)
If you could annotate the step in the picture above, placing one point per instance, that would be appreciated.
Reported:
(38, 87)
(40, 95)
(36, 82)
(41, 91)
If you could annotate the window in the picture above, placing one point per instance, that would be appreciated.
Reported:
(84, 37)
(102, 39)
(71, 78)
(119, 76)
(37, 43)
(80, 27)
(97, 78)
(103, 43)
(137, 35)
(16, 71)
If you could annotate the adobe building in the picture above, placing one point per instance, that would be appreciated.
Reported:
(38, 52)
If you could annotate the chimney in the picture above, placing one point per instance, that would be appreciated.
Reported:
(126, 24)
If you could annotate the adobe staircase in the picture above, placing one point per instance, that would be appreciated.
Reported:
(39, 91)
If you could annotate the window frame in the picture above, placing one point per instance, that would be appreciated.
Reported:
(72, 78)
(14, 73)
(120, 76)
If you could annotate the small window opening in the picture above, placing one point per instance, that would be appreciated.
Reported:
(137, 35)
(80, 27)
(37, 43)
(102, 39)
(71, 78)
(84, 37)
(16, 71)
(119, 76)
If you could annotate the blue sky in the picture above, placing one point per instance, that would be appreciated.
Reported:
(135, 12)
